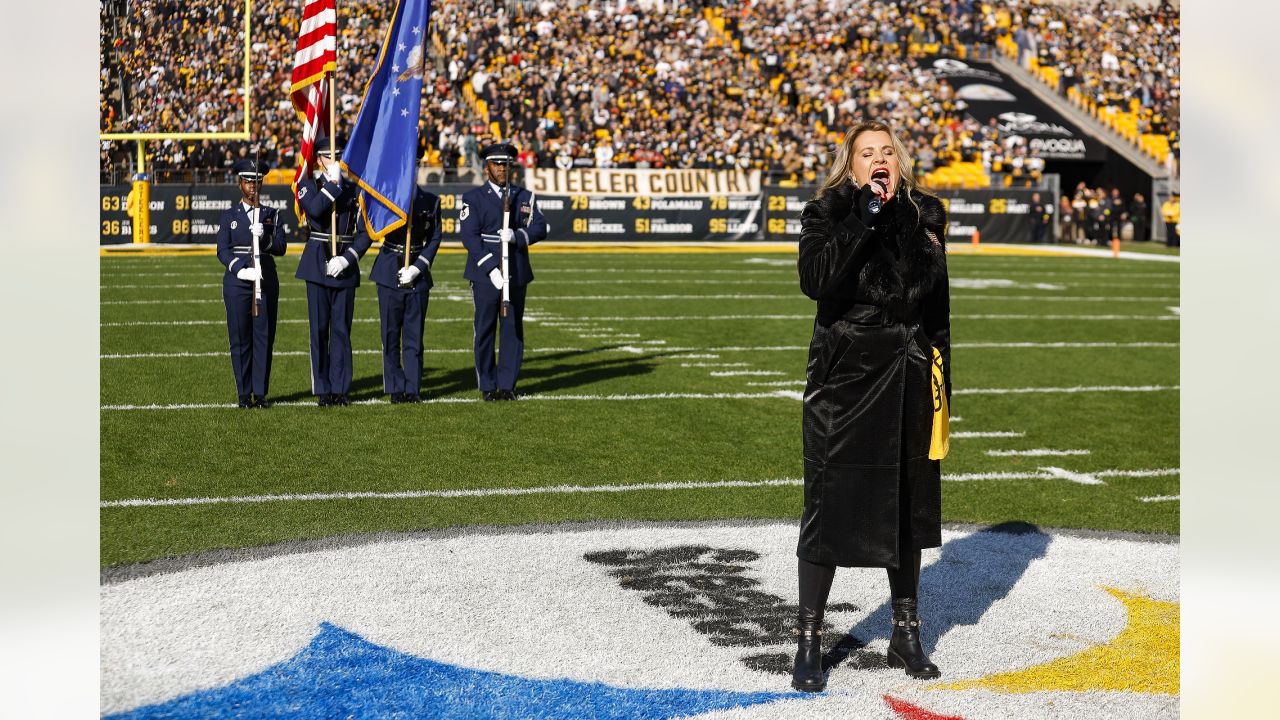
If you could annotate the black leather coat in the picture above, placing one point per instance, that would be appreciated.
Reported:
(870, 489)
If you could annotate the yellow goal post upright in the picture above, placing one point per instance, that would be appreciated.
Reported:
(141, 187)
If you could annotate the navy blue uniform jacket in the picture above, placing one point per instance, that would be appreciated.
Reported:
(481, 217)
(317, 199)
(426, 227)
(235, 242)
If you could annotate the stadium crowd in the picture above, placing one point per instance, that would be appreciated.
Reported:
(763, 84)
(1116, 53)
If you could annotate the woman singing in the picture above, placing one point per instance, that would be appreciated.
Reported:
(872, 254)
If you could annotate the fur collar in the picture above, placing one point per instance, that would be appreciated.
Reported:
(904, 263)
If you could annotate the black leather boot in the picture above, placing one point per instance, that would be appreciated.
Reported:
(904, 644)
(807, 675)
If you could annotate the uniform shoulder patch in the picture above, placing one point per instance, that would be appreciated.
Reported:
(466, 210)
(302, 191)
(233, 224)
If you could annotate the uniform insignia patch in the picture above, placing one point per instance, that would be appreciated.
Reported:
(233, 224)
(466, 210)
(524, 208)
(301, 192)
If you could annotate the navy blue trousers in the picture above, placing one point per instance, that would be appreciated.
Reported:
(488, 300)
(251, 339)
(330, 311)
(403, 314)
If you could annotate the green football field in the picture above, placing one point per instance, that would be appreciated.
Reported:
(659, 386)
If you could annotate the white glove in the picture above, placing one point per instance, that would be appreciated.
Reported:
(334, 172)
(507, 236)
(495, 277)
(249, 274)
(336, 266)
(256, 230)
(408, 275)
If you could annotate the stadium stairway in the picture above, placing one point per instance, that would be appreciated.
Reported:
(1113, 135)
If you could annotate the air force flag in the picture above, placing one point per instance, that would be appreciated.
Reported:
(381, 154)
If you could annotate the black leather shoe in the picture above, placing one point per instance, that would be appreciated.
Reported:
(904, 645)
(506, 395)
(412, 398)
(489, 395)
(342, 400)
(243, 404)
(262, 403)
(807, 676)
(324, 400)
(397, 398)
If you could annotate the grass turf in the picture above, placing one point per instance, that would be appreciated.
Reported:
(618, 324)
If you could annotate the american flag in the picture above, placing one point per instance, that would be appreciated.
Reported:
(316, 55)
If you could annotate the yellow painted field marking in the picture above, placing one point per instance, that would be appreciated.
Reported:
(1143, 658)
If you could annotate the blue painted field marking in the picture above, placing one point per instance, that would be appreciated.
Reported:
(340, 674)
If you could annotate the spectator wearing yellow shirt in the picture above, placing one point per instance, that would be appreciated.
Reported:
(1171, 210)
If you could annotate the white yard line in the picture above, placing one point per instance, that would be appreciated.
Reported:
(453, 400)
(306, 353)
(1159, 498)
(690, 396)
(1036, 452)
(1029, 345)
(1042, 474)
(1075, 477)
(1075, 389)
(989, 434)
(741, 373)
(665, 318)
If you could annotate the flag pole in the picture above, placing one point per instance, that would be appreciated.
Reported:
(333, 158)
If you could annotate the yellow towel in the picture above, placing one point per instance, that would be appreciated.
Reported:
(940, 442)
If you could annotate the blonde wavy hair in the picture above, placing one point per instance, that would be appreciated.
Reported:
(842, 168)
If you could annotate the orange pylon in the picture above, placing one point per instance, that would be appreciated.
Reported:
(975, 236)
(1115, 247)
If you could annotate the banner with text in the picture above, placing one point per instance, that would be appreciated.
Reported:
(189, 214)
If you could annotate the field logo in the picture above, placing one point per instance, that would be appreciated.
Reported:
(655, 622)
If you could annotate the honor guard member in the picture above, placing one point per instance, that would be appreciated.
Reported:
(403, 293)
(483, 235)
(332, 278)
(251, 335)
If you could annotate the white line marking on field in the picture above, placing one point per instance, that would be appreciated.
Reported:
(1075, 477)
(1042, 474)
(1036, 452)
(569, 489)
(526, 398)
(1065, 298)
(1139, 473)
(1159, 498)
(1175, 309)
(1075, 389)
(696, 356)
(1064, 317)
(1027, 345)
(739, 373)
(780, 383)
(714, 365)
(778, 262)
(482, 492)
(660, 318)
(989, 434)
(294, 353)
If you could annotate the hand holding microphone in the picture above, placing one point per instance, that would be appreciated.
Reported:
(871, 199)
